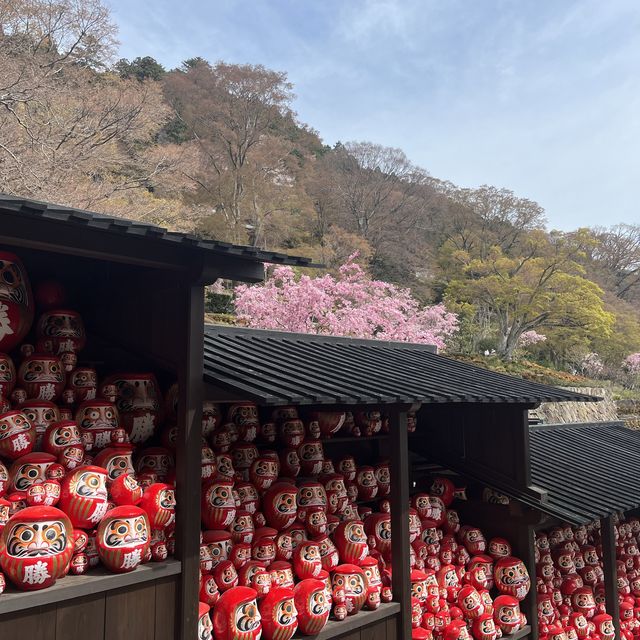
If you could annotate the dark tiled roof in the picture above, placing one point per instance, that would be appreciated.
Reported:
(130, 228)
(272, 368)
(588, 470)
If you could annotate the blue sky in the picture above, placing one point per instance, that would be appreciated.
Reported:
(539, 96)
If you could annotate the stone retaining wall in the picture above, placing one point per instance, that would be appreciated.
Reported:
(565, 412)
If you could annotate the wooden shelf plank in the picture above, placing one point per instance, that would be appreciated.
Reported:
(95, 581)
(326, 441)
(334, 629)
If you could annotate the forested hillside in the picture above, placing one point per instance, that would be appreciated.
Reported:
(216, 149)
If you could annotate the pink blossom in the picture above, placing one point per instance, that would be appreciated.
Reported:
(529, 338)
(631, 364)
(351, 304)
(592, 365)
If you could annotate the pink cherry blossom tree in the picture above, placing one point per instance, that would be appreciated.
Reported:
(631, 364)
(529, 338)
(592, 365)
(631, 369)
(350, 304)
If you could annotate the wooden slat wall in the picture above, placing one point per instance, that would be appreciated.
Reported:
(143, 612)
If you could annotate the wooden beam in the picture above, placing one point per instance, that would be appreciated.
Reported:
(610, 571)
(191, 337)
(81, 240)
(524, 543)
(399, 466)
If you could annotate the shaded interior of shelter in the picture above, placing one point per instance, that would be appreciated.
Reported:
(584, 472)
(99, 291)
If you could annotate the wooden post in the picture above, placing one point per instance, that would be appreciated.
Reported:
(610, 571)
(525, 543)
(191, 340)
(399, 466)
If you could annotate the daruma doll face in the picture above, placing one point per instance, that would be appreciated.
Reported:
(16, 300)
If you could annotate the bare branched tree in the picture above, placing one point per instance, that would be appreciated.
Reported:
(228, 109)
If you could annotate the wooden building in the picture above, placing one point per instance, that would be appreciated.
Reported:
(140, 290)
(469, 419)
(141, 293)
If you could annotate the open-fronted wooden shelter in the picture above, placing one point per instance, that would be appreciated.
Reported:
(469, 419)
(141, 292)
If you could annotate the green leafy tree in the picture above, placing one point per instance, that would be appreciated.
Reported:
(544, 287)
(146, 68)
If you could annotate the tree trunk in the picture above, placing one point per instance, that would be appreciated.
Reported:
(508, 341)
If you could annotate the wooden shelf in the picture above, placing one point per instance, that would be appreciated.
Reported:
(95, 581)
(372, 500)
(335, 629)
(276, 446)
(326, 441)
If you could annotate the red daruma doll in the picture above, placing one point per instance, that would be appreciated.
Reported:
(7, 376)
(313, 607)
(311, 456)
(139, 403)
(378, 529)
(42, 376)
(17, 435)
(159, 502)
(123, 538)
(351, 542)
(236, 615)
(279, 614)
(61, 331)
(205, 626)
(218, 504)
(484, 628)
(511, 577)
(263, 472)
(306, 560)
(352, 580)
(16, 302)
(36, 546)
(366, 483)
(83, 496)
(100, 417)
(126, 490)
(63, 440)
(506, 614)
(82, 384)
(41, 414)
(280, 505)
